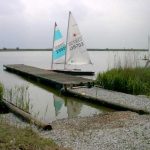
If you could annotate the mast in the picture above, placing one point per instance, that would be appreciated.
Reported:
(67, 41)
(53, 45)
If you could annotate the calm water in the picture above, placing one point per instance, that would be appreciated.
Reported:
(46, 103)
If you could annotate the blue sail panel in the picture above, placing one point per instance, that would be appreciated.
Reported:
(58, 35)
(57, 53)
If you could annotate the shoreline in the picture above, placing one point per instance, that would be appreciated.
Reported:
(50, 49)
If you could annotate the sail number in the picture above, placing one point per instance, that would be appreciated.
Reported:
(61, 49)
(76, 43)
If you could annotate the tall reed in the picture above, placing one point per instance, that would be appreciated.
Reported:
(3, 108)
(128, 80)
(19, 96)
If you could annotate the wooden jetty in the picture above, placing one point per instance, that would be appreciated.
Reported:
(51, 78)
(112, 99)
(73, 85)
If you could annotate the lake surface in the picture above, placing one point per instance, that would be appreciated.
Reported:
(47, 104)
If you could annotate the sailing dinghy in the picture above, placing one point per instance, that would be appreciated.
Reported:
(59, 48)
(73, 53)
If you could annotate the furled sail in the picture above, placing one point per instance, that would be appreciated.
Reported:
(76, 51)
(59, 47)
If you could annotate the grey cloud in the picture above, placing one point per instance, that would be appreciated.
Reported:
(9, 7)
(104, 24)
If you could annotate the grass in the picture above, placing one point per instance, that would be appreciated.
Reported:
(13, 138)
(128, 80)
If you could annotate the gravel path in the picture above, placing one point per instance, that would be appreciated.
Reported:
(111, 131)
(116, 98)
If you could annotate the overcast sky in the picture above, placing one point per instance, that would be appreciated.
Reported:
(103, 23)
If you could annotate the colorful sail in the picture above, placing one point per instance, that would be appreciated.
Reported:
(76, 51)
(59, 47)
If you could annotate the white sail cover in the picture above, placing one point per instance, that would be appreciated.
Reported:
(76, 52)
(59, 47)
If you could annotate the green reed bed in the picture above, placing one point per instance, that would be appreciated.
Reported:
(128, 80)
